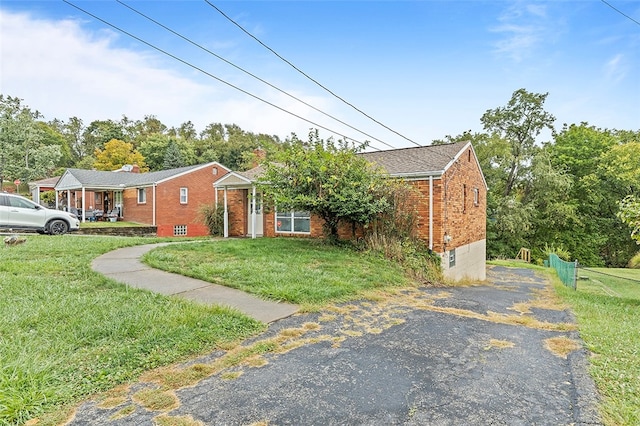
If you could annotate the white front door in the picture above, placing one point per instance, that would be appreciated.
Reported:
(258, 200)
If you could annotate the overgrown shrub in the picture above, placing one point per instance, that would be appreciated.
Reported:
(392, 234)
(213, 218)
(635, 261)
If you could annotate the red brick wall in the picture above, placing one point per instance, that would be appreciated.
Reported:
(453, 213)
(134, 212)
(237, 207)
(462, 219)
(169, 211)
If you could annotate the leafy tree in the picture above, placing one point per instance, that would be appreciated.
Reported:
(97, 134)
(327, 179)
(153, 149)
(23, 153)
(52, 137)
(72, 131)
(603, 165)
(518, 123)
(630, 214)
(116, 154)
(173, 157)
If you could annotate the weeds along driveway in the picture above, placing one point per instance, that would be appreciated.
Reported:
(503, 353)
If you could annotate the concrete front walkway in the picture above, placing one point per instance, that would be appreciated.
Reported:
(124, 265)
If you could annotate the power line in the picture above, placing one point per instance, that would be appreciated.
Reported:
(251, 74)
(620, 12)
(307, 76)
(209, 74)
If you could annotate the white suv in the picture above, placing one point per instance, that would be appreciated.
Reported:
(19, 213)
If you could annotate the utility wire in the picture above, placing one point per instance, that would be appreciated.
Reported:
(620, 12)
(307, 76)
(209, 74)
(250, 74)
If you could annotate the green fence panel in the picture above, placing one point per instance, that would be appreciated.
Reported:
(566, 270)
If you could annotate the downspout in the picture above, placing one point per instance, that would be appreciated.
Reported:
(226, 215)
(154, 204)
(431, 213)
(253, 212)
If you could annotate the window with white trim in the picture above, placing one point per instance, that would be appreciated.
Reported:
(293, 222)
(142, 195)
(476, 196)
(179, 230)
(184, 195)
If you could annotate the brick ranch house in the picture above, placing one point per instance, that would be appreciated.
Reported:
(451, 207)
(168, 199)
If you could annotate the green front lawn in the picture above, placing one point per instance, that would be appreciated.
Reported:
(67, 332)
(303, 271)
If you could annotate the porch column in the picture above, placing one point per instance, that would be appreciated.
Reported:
(84, 215)
(226, 215)
(430, 212)
(68, 199)
(253, 212)
(57, 202)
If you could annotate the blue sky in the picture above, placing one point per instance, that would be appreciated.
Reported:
(423, 68)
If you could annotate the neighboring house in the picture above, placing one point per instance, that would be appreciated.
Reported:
(40, 186)
(451, 210)
(169, 199)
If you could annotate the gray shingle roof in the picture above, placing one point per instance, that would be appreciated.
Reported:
(417, 161)
(77, 178)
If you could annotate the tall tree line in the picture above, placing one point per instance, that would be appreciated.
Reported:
(32, 148)
(564, 194)
(574, 193)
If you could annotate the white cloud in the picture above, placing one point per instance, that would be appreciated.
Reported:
(63, 70)
(522, 28)
(615, 70)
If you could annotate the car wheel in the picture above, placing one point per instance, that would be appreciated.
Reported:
(58, 227)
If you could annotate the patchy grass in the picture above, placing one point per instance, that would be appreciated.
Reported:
(156, 399)
(302, 271)
(67, 332)
(609, 327)
(561, 346)
(500, 344)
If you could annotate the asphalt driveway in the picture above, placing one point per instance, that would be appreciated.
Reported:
(498, 354)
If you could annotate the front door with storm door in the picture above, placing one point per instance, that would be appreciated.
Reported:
(258, 200)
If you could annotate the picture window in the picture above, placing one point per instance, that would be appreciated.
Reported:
(293, 222)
